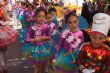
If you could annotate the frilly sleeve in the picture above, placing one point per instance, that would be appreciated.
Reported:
(61, 39)
(81, 36)
(30, 34)
(48, 33)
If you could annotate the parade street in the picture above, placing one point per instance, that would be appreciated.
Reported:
(16, 62)
(54, 36)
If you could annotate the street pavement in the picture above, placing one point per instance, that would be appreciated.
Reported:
(16, 62)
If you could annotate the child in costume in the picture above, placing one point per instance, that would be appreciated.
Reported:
(7, 36)
(53, 11)
(30, 14)
(94, 56)
(53, 30)
(30, 19)
(52, 25)
(69, 45)
(55, 21)
(15, 8)
(21, 15)
(38, 49)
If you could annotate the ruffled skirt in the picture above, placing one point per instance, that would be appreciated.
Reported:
(23, 35)
(38, 54)
(7, 35)
(66, 63)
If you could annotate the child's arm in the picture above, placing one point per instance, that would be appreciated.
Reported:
(30, 34)
(107, 63)
(42, 38)
(59, 45)
(70, 51)
(5, 16)
(54, 30)
(81, 58)
(60, 42)
(48, 35)
(28, 19)
(5, 20)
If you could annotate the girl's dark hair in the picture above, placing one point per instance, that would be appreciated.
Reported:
(41, 9)
(52, 9)
(49, 13)
(71, 13)
(31, 6)
(23, 3)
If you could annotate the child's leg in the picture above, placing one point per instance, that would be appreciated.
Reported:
(5, 55)
(47, 66)
(52, 64)
(37, 69)
(1, 62)
(43, 67)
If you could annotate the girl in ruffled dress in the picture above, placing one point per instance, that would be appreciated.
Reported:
(7, 36)
(31, 14)
(30, 18)
(52, 25)
(53, 31)
(38, 48)
(21, 15)
(69, 45)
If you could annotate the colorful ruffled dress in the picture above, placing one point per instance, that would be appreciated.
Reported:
(31, 17)
(22, 17)
(24, 30)
(68, 41)
(38, 52)
(54, 32)
(7, 33)
(22, 35)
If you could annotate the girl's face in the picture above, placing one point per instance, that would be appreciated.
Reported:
(73, 23)
(22, 6)
(41, 17)
(49, 18)
(97, 40)
(30, 7)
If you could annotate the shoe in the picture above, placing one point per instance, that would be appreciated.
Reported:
(46, 70)
(53, 68)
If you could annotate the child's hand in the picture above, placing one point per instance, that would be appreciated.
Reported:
(70, 51)
(54, 32)
(36, 39)
(88, 70)
(65, 55)
(40, 39)
(44, 38)
(30, 18)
